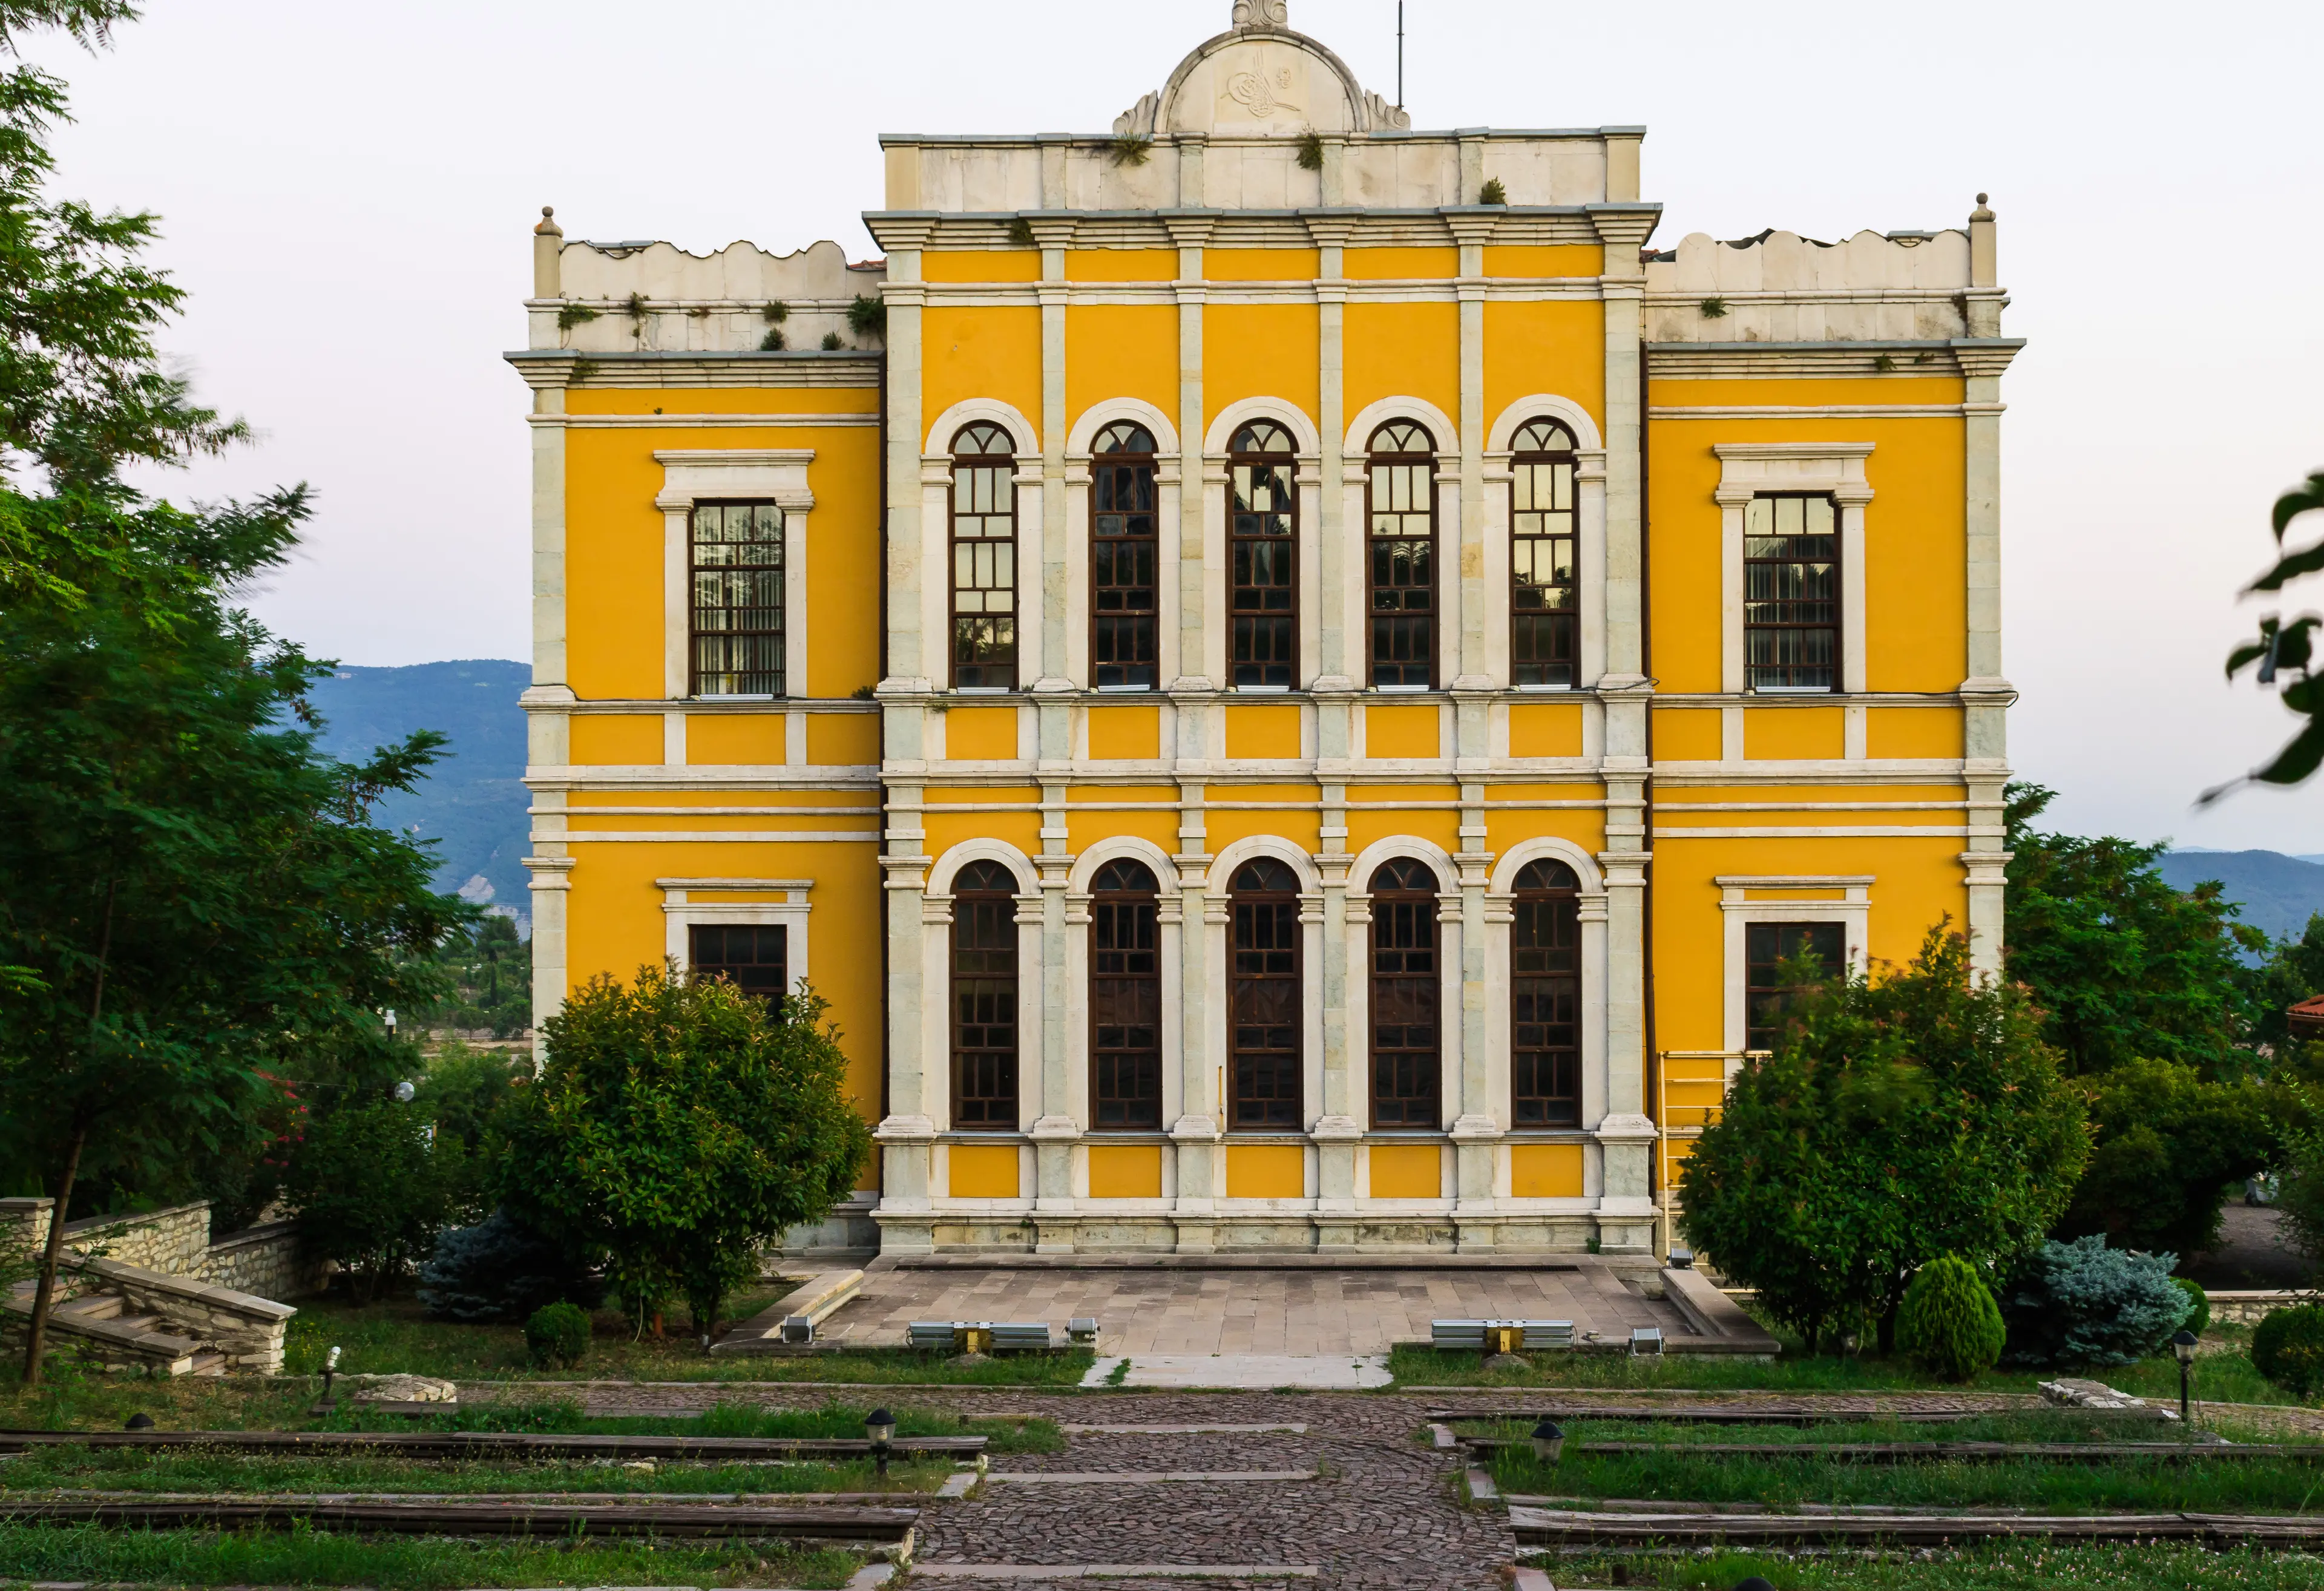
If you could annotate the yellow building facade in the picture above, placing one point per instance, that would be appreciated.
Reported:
(1299, 694)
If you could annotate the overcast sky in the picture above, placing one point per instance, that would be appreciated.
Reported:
(347, 191)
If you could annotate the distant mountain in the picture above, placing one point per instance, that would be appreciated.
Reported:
(474, 804)
(2277, 892)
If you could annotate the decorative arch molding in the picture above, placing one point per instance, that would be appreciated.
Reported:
(1376, 414)
(1106, 411)
(1544, 405)
(968, 411)
(1113, 848)
(1524, 853)
(1233, 855)
(1359, 872)
(945, 866)
(1282, 410)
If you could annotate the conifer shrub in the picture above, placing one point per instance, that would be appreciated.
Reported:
(556, 1336)
(1949, 1324)
(2199, 1317)
(502, 1270)
(2084, 1303)
(2288, 1347)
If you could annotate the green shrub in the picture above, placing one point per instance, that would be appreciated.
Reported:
(556, 1336)
(372, 1189)
(2199, 1316)
(1949, 1324)
(2288, 1347)
(2084, 1303)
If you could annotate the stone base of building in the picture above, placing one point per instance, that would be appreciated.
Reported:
(1319, 1233)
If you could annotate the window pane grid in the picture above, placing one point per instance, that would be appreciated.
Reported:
(1545, 622)
(984, 999)
(755, 958)
(1545, 1010)
(1124, 575)
(984, 559)
(1264, 1015)
(1263, 589)
(1401, 559)
(1405, 998)
(1791, 593)
(1769, 951)
(1125, 999)
(736, 573)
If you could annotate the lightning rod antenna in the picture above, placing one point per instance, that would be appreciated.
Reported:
(1400, 54)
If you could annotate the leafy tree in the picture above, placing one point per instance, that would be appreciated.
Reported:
(679, 1126)
(1905, 1117)
(463, 1092)
(2122, 966)
(372, 1189)
(489, 976)
(2167, 1144)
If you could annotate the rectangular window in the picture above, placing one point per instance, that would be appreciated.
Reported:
(1773, 956)
(1405, 1001)
(1125, 1014)
(756, 959)
(737, 563)
(1263, 1026)
(1403, 572)
(1544, 620)
(1265, 594)
(1790, 593)
(984, 575)
(985, 1013)
(1545, 1012)
(1124, 576)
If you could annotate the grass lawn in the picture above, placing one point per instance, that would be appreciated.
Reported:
(2006, 1566)
(397, 1336)
(318, 1557)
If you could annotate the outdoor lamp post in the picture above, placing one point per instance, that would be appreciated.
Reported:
(881, 1427)
(1548, 1441)
(2182, 1343)
(330, 1370)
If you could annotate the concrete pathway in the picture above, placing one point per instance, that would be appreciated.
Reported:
(1244, 1371)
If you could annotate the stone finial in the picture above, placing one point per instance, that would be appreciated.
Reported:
(547, 256)
(1273, 16)
(549, 227)
(1980, 213)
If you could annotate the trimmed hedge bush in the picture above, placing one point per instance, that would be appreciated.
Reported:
(1949, 1324)
(2199, 1317)
(2288, 1347)
(557, 1335)
(2084, 1303)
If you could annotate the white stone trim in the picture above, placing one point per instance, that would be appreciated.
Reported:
(682, 907)
(1544, 405)
(935, 902)
(941, 871)
(690, 475)
(1747, 469)
(1853, 912)
(1524, 853)
(968, 410)
(1282, 410)
(1379, 412)
(1106, 411)
(1499, 915)
(1114, 847)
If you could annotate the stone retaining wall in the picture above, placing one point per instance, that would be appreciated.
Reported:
(2250, 1308)
(246, 1330)
(172, 1241)
(266, 1260)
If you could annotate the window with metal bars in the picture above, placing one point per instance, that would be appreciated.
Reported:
(1545, 998)
(1785, 963)
(754, 957)
(984, 559)
(1401, 561)
(1545, 539)
(1263, 541)
(1791, 593)
(1124, 575)
(1125, 998)
(1265, 1010)
(984, 998)
(1406, 1050)
(737, 575)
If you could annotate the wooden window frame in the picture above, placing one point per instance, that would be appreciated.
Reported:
(1837, 625)
(1146, 898)
(1128, 463)
(980, 899)
(699, 966)
(1238, 459)
(1544, 1108)
(1276, 901)
(1006, 464)
(695, 636)
(1525, 458)
(1786, 995)
(1432, 980)
(1375, 461)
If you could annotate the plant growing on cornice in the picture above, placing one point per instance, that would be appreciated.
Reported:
(573, 315)
(1311, 151)
(699, 312)
(1020, 232)
(635, 309)
(1129, 149)
(583, 368)
(775, 312)
(868, 317)
(862, 693)
(1714, 308)
(1885, 364)
(833, 342)
(773, 343)
(1493, 193)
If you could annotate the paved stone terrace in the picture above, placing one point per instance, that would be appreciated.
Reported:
(1240, 1311)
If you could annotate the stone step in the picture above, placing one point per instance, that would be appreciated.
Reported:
(92, 1306)
(209, 1361)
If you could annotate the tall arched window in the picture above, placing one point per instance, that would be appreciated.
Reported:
(1125, 998)
(1546, 999)
(983, 558)
(1402, 578)
(1265, 1012)
(1123, 560)
(1545, 539)
(1263, 590)
(1405, 996)
(984, 998)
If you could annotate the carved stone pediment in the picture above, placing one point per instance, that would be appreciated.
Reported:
(1260, 80)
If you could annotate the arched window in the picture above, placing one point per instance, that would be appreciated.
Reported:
(1545, 539)
(1402, 556)
(1405, 996)
(1266, 1012)
(984, 998)
(1263, 589)
(1125, 999)
(1546, 999)
(983, 558)
(1123, 559)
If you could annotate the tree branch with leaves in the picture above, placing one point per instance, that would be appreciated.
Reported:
(2286, 652)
